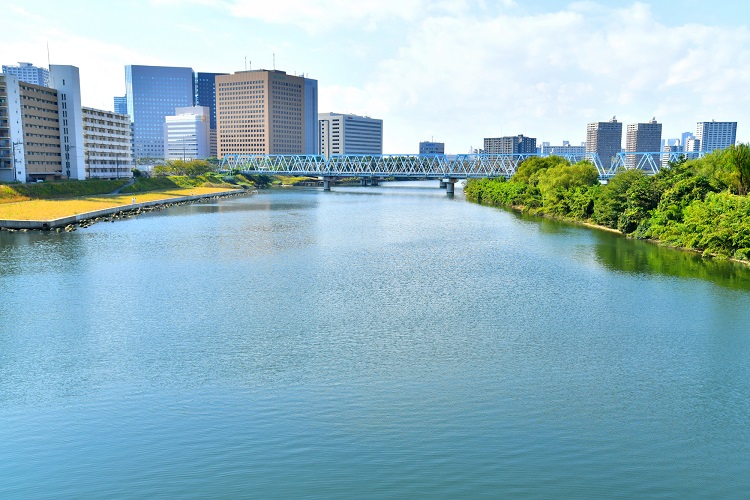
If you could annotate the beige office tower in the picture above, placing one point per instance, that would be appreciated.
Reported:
(643, 138)
(260, 112)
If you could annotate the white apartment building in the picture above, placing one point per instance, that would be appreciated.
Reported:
(692, 144)
(107, 144)
(343, 134)
(716, 135)
(27, 72)
(187, 134)
(565, 149)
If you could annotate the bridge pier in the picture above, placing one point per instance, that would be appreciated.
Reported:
(327, 183)
(374, 181)
(450, 186)
(363, 181)
(442, 184)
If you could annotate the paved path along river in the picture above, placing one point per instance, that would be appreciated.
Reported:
(367, 342)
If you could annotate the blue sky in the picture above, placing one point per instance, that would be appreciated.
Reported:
(455, 70)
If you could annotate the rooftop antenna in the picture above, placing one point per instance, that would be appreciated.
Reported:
(245, 63)
(274, 61)
(48, 59)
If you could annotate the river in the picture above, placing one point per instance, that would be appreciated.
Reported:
(368, 342)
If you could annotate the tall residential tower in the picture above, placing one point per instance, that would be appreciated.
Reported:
(643, 138)
(604, 139)
(716, 135)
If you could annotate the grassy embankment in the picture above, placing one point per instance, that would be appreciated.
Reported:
(700, 205)
(52, 200)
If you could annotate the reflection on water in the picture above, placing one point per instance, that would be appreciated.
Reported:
(631, 256)
(619, 253)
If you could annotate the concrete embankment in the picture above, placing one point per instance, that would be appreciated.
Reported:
(81, 219)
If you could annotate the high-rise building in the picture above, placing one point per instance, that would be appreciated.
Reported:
(684, 137)
(121, 105)
(107, 144)
(565, 149)
(27, 72)
(342, 134)
(261, 112)
(514, 144)
(65, 80)
(692, 145)
(431, 148)
(312, 130)
(604, 139)
(643, 138)
(153, 92)
(187, 134)
(205, 95)
(716, 135)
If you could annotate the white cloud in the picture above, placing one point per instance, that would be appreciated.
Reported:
(101, 64)
(465, 78)
(459, 70)
(321, 15)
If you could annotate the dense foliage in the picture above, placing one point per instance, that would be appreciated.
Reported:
(210, 179)
(699, 204)
(190, 168)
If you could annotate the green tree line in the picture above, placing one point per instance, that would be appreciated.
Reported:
(700, 204)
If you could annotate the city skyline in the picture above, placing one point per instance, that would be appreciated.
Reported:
(459, 70)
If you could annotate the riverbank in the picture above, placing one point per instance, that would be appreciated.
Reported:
(67, 213)
(699, 205)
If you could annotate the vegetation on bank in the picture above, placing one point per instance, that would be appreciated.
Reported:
(10, 193)
(700, 204)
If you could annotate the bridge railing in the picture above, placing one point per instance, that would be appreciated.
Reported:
(459, 166)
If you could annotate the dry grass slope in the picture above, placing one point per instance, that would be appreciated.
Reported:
(54, 209)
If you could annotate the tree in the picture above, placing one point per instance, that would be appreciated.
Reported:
(613, 197)
(530, 166)
(738, 156)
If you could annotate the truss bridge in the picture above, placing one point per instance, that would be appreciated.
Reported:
(446, 168)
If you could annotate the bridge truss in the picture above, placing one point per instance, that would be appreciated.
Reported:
(463, 166)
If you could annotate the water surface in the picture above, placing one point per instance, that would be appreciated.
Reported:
(368, 342)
